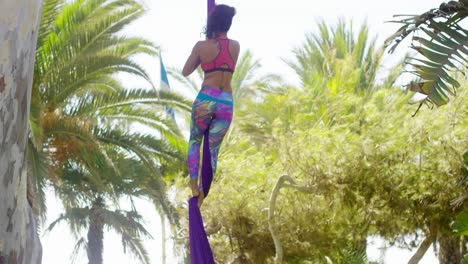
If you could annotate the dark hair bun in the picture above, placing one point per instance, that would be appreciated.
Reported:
(232, 11)
(219, 20)
(223, 11)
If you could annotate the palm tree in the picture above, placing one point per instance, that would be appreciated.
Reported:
(87, 205)
(335, 53)
(82, 118)
(443, 46)
(331, 64)
(79, 109)
(128, 224)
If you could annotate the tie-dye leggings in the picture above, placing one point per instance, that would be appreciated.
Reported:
(211, 117)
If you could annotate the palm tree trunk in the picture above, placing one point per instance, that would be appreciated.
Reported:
(19, 23)
(163, 234)
(96, 233)
(449, 251)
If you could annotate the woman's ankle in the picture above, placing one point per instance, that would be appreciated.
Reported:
(194, 183)
(194, 187)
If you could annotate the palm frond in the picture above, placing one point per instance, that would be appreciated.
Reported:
(92, 104)
(81, 244)
(166, 208)
(128, 116)
(245, 70)
(322, 54)
(71, 138)
(134, 178)
(146, 147)
(453, 12)
(129, 226)
(165, 99)
(193, 84)
(101, 86)
(443, 48)
(76, 218)
(89, 70)
(37, 174)
(50, 10)
(136, 247)
(83, 39)
(129, 222)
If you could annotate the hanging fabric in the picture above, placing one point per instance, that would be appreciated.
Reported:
(200, 250)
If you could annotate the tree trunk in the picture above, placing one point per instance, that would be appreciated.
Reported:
(449, 250)
(96, 233)
(271, 211)
(421, 250)
(19, 24)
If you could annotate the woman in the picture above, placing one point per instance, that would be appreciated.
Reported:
(213, 107)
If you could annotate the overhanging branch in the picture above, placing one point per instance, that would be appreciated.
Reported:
(282, 182)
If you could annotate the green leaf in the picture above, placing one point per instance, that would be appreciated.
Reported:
(460, 225)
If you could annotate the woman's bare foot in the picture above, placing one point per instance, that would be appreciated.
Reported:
(194, 187)
(201, 197)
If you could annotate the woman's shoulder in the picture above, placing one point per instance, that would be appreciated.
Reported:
(200, 43)
(235, 46)
(234, 41)
(203, 43)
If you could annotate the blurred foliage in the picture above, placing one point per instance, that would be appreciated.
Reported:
(373, 169)
(377, 171)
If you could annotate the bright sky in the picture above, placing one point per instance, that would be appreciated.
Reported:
(270, 29)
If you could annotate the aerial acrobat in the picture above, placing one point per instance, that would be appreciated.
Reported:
(211, 116)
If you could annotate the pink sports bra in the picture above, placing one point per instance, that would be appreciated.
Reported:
(223, 58)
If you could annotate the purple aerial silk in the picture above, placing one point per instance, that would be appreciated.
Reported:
(200, 250)
(211, 4)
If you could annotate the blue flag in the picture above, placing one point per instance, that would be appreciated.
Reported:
(165, 86)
